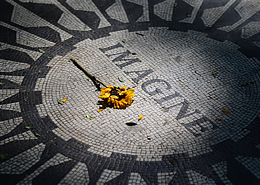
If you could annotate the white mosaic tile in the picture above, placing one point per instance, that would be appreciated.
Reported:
(10, 66)
(196, 6)
(251, 163)
(221, 169)
(56, 160)
(61, 134)
(89, 6)
(23, 161)
(19, 137)
(211, 15)
(135, 178)
(78, 175)
(11, 106)
(28, 39)
(33, 54)
(8, 125)
(164, 9)
(117, 12)
(240, 135)
(15, 79)
(246, 9)
(144, 3)
(198, 179)
(165, 178)
(250, 29)
(108, 175)
(26, 18)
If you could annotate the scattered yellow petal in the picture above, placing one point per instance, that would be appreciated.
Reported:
(140, 117)
(100, 110)
(124, 87)
(218, 119)
(225, 111)
(65, 99)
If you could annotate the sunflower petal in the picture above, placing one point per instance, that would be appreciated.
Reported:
(110, 86)
(124, 87)
(114, 96)
(104, 95)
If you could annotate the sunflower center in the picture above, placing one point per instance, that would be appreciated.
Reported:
(115, 93)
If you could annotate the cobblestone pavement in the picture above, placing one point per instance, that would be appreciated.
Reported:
(188, 60)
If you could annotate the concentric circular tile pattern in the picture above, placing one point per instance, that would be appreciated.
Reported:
(194, 66)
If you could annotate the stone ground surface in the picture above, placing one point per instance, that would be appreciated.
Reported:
(187, 61)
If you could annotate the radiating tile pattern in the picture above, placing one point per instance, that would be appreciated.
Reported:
(56, 160)
(144, 3)
(251, 163)
(250, 29)
(89, 6)
(11, 106)
(22, 162)
(78, 175)
(186, 59)
(8, 125)
(10, 66)
(197, 178)
(211, 15)
(15, 79)
(164, 9)
(67, 19)
(108, 175)
(243, 10)
(196, 6)
(221, 169)
(136, 178)
(117, 12)
(19, 137)
(33, 54)
(165, 178)
(28, 39)
(26, 18)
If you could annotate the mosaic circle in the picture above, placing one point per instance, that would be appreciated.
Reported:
(183, 81)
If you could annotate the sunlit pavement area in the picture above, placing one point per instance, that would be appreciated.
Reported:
(194, 66)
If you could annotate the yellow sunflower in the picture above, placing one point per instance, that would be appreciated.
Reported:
(117, 97)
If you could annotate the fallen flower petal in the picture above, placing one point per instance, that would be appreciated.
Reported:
(218, 119)
(140, 117)
(64, 100)
(225, 111)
